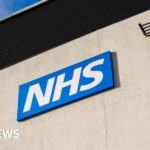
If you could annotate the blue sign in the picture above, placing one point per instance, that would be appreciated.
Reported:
(68, 85)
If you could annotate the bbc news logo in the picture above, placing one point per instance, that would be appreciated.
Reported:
(145, 28)
(9, 134)
(68, 85)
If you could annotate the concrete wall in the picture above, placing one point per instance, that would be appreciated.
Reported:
(117, 119)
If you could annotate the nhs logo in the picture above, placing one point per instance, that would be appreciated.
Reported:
(68, 85)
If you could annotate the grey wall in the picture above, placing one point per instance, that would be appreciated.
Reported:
(117, 119)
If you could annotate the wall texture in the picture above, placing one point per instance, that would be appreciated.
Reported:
(118, 119)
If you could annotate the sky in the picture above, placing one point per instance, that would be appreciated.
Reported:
(9, 6)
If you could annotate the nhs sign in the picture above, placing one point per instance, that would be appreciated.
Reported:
(68, 85)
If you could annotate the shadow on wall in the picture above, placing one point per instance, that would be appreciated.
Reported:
(115, 70)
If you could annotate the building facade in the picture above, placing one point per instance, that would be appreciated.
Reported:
(117, 119)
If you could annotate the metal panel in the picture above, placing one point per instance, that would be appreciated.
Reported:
(57, 22)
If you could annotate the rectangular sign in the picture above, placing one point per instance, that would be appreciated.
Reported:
(68, 85)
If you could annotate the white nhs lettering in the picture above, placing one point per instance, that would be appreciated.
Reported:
(44, 98)
(65, 86)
